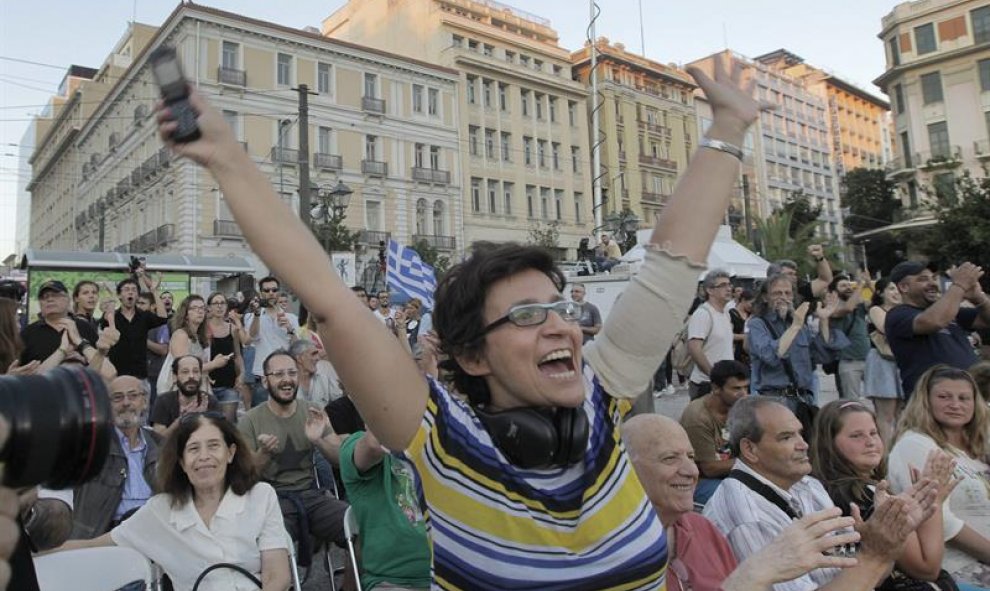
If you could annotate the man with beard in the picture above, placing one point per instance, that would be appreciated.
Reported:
(130, 354)
(928, 328)
(188, 396)
(270, 326)
(850, 318)
(125, 482)
(283, 433)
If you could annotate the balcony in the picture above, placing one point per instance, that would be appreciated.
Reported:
(658, 162)
(374, 237)
(981, 148)
(374, 168)
(899, 167)
(373, 105)
(942, 159)
(622, 154)
(653, 198)
(123, 186)
(431, 175)
(231, 76)
(328, 161)
(288, 156)
(437, 242)
(227, 229)
(655, 128)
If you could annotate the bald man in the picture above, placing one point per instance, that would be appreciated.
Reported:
(126, 481)
(700, 556)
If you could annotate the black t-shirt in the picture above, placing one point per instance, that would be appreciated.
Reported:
(130, 353)
(166, 407)
(915, 353)
(41, 340)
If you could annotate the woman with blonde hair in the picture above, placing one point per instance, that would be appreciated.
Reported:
(947, 412)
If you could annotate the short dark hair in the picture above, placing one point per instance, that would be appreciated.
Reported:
(78, 287)
(175, 363)
(149, 296)
(725, 369)
(269, 279)
(242, 473)
(743, 423)
(274, 354)
(835, 281)
(360, 290)
(458, 315)
(128, 281)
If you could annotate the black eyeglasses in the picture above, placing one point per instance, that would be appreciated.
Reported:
(535, 314)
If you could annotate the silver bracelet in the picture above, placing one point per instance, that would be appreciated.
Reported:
(722, 147)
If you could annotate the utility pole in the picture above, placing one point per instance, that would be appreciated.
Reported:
(749, 222)
(304, 184)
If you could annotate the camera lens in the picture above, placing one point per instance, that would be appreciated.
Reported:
(59, 427)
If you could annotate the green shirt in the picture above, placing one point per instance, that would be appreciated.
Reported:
(394, 546)
(291, 466)
(854, 327)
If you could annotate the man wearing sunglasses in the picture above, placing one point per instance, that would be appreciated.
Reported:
(271, 328)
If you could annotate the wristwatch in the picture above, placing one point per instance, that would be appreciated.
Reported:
(83, 343)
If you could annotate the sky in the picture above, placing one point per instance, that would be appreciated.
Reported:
(836, 35)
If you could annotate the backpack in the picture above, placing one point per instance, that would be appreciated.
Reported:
(680, 357)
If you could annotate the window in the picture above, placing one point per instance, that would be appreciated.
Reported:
(524, 60)
(488, 50)
(931, 88)
(324, 136)
(472, 45)
(492, 195)
(419, 153)
(371, 85)
(284, 77)
(457, 41)
(541, 152)
(284, 127)
(578, 198)
(524, 98)
(530, 201)
(233, 121)
(986, 121)
(899, 98)
(575, 157)
(938, 140)
(433, 101)
(230, 55)
(895, 52)
(555, 155)
(505, 140)
(323, 78)
(435, 157)
(557, 70)
(486, 92)
(544, 203)
(924, 39)
(490, 144)
(371, 147)
(572, 112)
(906, 149)
(373, 218)
(422, 210)
(553, 109)
(472, 97)
(510, 56)
(473, 140)
(539, 105)
(476, 194)
(503, 98)
(945, 187)
(507, 190)
(417, 98)
(438, 219)
(538, 65)
(528, 150)
(558, 204)
(981, 24)
(984, 67)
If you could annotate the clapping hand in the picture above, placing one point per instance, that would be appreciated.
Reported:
(800, 314)
(267, 443)
(831, 305)
(885, 532)
(967, 277)
(940, 468)
(317, 424)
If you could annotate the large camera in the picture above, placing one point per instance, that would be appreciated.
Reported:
(60, 427)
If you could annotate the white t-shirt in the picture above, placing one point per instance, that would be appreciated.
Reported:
(177, 539)
(969, 503)
(715, 329)
(271, 336)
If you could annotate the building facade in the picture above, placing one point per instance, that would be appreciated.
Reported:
(648, 127)
(384, 125)
(523, 126)
(938, 80)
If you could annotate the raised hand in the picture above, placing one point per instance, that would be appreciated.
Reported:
(831, 305)
(267, 443)
(317, 424)
(215, 139)
(71, 330)
(800, 313)
(816, 251)
(940, 468)
(730, 94)
(109, 337)
(967, 276)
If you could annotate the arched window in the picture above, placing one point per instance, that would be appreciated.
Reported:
(438, 221)
(421, 217)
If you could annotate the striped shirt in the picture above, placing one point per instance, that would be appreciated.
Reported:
(750, 522)
(496, 526)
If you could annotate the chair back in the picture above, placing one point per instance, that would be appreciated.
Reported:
(351, 531)
(92, 569)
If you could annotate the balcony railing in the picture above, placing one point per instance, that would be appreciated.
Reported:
(656, 128)
(437, 242)
(285, 155)
(374, 168)
(949, 158)
(231, 76)
(982, 149)
(899, 166)
(373, 237)
(658, 162)
(431, 175)
(226, 228)
(654, 198)
(328, 161)
(373, 105)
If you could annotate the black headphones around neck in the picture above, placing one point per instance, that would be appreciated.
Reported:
(538, 437)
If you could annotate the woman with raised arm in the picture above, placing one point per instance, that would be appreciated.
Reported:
(525, 483)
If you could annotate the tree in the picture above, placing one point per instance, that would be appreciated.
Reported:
(870, 198)
(962, 232)
(546, 235)
(777, 241)
(335, 236)
(432, 257)
(802, 212)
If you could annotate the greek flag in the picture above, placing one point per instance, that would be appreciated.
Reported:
(408, 273)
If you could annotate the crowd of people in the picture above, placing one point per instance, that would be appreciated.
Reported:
(491, 442)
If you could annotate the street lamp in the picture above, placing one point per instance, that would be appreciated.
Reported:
(329, 213)
(622, 225)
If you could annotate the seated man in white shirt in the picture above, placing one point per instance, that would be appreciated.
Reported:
(770, 487)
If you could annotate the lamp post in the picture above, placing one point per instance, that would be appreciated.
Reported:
(330, 210)
(622, 226)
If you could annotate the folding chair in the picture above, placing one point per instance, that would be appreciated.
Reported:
(293, 567)
(93, 569)
(351, 531)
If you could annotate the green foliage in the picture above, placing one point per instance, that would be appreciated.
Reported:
(545, 235)
(873, 203)
(335, 236)
(432, 257)
(962, 232)
(802, 212)
(777, 241)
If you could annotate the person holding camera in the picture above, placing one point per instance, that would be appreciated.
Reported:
(130, 354)
(271, 328)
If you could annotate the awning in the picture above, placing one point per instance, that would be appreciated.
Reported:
(922, 222)
(194, 265)
(726, 254)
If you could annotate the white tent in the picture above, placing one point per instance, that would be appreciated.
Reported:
(725, 254)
